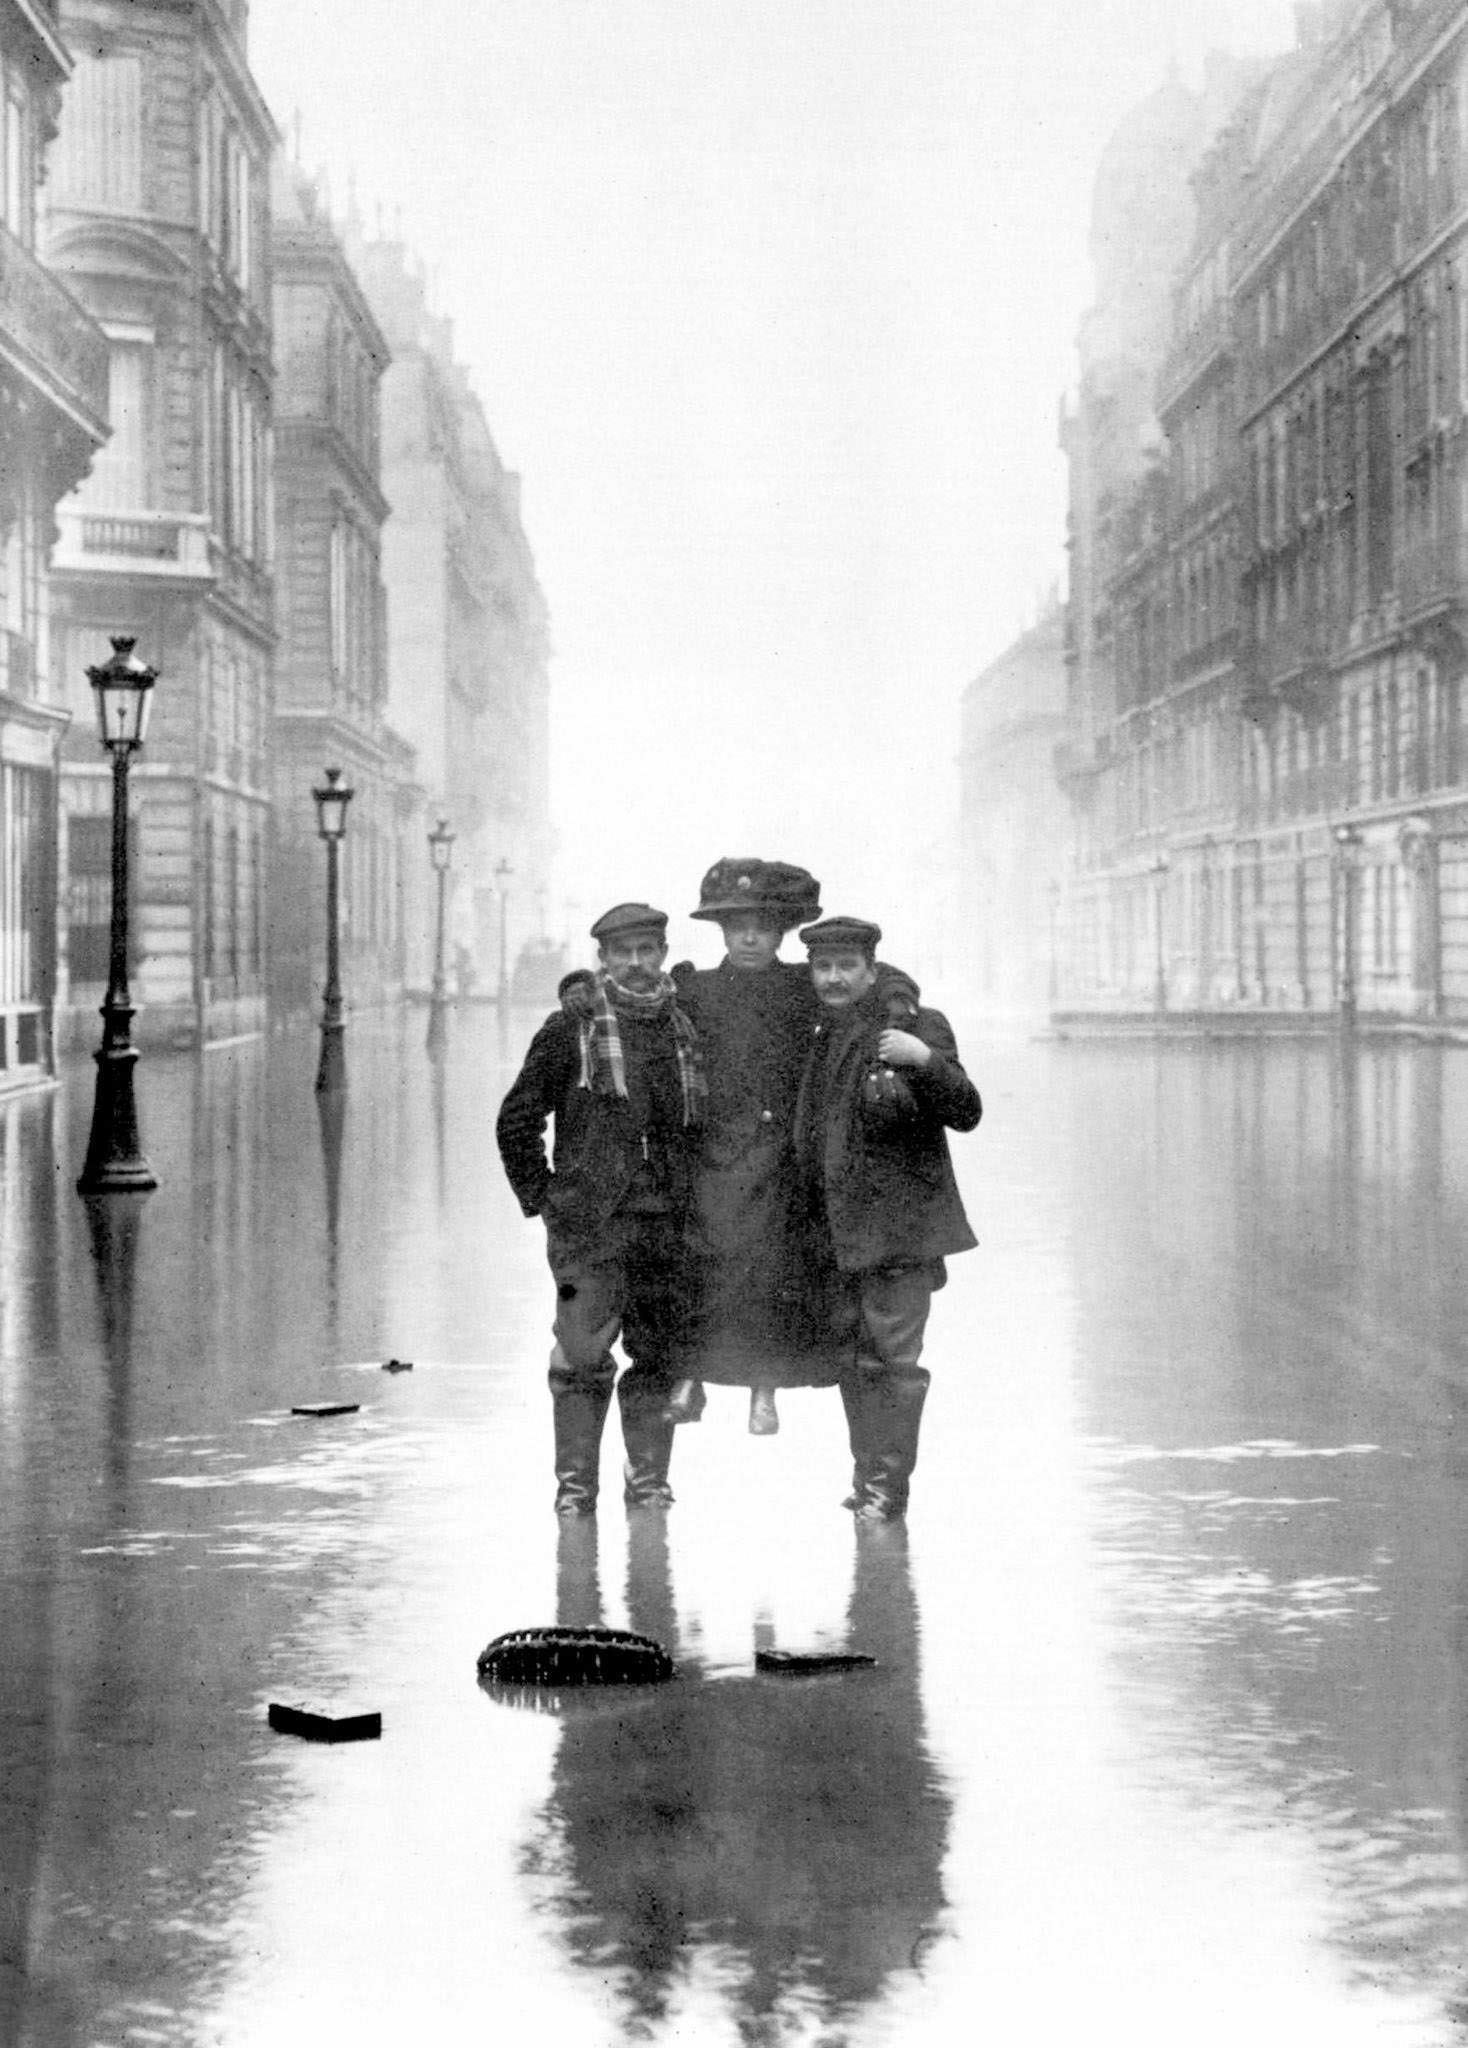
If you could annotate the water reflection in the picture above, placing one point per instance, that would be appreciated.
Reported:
(1275, 1386)
(331, 1117)
(788, 1834)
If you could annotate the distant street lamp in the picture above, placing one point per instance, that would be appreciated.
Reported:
(502, 875)
(1159, 992)
(440, 852)
(331, 823)
(1348, 841)
(114, 1162)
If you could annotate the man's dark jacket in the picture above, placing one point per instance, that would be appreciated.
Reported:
(598, 1147)
(883, 1170)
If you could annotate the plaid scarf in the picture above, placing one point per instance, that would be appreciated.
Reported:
(603, 1063)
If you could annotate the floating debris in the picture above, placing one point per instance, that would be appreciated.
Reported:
(574, 1656)
(319, 1408)
(398, 1365)
(793, 1661)
(317, 1725)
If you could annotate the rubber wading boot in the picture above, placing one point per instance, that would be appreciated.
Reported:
(852, 1386)
(579, 1412)
(892, 1443)
(647, 1436)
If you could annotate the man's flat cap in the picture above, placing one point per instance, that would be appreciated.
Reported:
(773, 886)
(842, 935)
(629, 917)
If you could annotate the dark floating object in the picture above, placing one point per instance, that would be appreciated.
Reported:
(398, 1365)
(574, 1656)
(326, 1408)
(793, 1661)
(318, 1726)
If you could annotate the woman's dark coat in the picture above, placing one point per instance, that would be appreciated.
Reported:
(882, 1172)
(760, 1313)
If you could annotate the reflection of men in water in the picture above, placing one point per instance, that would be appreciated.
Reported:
(793, 1830)
(624, 1084)
(869, 1129)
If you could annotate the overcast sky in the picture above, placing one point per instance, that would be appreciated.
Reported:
(771, 304)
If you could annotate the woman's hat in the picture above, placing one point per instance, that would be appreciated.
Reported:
(773, 886)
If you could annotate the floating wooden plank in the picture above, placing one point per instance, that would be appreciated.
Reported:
(316, 1724)
(796, 1661)
(397, 1365)
(319, 1408)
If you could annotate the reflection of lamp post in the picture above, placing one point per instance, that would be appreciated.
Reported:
(1159, 992)
(115, 1163)
(331, 823)
(440, 852)
(502, 875)
(1348, 840)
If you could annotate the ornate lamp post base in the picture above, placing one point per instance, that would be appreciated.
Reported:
(115, 1164)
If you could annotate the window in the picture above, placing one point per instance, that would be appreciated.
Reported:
(99, 154)
(120, 479)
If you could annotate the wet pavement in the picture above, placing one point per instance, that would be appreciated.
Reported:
(1168, 1735)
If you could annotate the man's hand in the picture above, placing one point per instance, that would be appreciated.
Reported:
(901, 1049)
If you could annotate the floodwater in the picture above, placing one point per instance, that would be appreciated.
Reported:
(1168, 1734)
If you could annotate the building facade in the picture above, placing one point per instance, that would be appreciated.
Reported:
(160, 222)
(1269, 771)
(53, 420)
(331, 671)
(1013, 822)
(468, 639)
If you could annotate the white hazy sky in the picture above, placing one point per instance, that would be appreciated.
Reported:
(771, 304)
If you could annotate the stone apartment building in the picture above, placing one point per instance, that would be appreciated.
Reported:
(1269, 777)
(160, 222)
(53, 420)
(468, 639)
(331, 672)
(1012, 820)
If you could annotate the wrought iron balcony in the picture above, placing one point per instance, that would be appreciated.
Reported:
(50, 341)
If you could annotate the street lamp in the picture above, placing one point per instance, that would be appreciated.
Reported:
(502, 875)
(331, 823)
(440, 852)
(1159, 992)
(1348, 840)
(115, 1164)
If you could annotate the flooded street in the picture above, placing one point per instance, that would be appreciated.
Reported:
(1168, 1733)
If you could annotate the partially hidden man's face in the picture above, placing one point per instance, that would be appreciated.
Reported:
(842, 976)
(751, 938)
(635, 959)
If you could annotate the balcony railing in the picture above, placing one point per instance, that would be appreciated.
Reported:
(170, 544)
(42, 325)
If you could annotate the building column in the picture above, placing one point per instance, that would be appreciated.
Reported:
(1420, 858)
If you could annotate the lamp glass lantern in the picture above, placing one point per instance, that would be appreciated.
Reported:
(122, 691)
(331, 801)
(441, 846)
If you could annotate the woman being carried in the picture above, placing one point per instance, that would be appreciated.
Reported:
(764, 1317)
